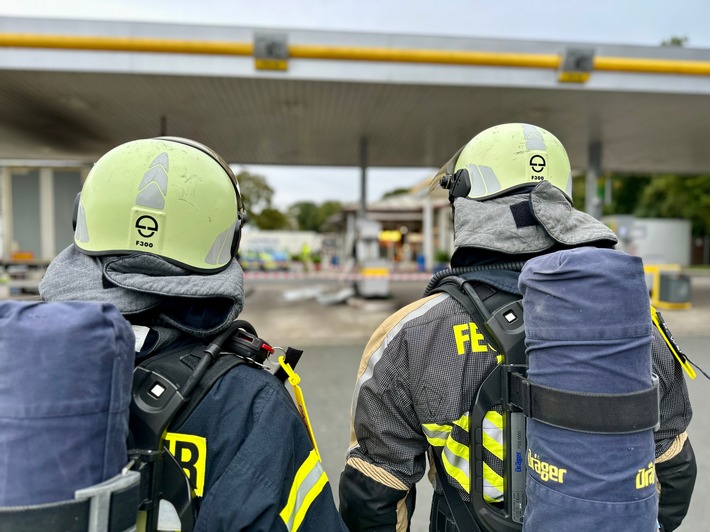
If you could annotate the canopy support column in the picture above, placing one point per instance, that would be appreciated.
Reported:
(362, 214)
(593, 203)
(428, 230)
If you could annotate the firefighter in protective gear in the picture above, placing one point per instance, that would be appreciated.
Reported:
(157, 229)
(510, 190)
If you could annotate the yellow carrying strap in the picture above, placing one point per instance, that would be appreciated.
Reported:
(670, 342)
(294, 379)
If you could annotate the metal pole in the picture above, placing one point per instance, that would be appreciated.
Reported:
(593, 204)
(6, 213)
(350, 237)
(46, 214)
(427, 229)
(362, 214)
(346, 53)
(446, 243)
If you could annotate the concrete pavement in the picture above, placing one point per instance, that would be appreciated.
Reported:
(307, 322)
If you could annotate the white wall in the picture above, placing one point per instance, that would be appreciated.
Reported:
(290, 241)
(661, 241)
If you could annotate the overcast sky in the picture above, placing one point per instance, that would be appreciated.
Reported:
(642, 22)
(608, 21)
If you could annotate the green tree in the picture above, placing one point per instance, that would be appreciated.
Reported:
(579, 191)
(678, 42)
(310, 217)
(671, 196)
(306, 215)
(272, 219)
(661, 196)
(256, 194)
(396, 192)
(626, 192)
(328, 209)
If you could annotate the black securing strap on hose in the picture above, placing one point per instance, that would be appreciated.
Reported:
(598, 413)
(76, 515)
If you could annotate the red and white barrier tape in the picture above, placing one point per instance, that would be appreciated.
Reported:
(335, 276)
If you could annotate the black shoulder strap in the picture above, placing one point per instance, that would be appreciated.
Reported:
(454, 287)
(463, 517)
(174, 366)
(239, 344)
(502, 316)
(167, 387)
(500, 312)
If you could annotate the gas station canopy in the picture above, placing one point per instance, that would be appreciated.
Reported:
(71, 89)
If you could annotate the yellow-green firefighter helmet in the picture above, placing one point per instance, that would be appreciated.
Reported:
(504, 158)
(167, 196)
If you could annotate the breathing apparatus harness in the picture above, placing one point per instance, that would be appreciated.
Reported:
(507, 387)
(168, 387)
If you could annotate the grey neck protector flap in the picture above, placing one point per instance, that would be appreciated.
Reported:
(201, 305)
(526, 223)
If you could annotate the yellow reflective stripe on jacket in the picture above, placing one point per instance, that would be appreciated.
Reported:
(457, 463)
(456, 466)
(493, 419)
(493, 446)
(463, 422)
(307, 485)
(455, 456)
(435, 434)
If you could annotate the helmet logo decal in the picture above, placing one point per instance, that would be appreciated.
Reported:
(154, 185)
(533, 138)
(147, 226)
(537, 163)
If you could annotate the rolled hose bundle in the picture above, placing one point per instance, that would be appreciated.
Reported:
(588, 329)
(65, 389)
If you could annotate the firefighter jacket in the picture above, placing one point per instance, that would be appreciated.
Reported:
(248, 452)
(417, 379)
